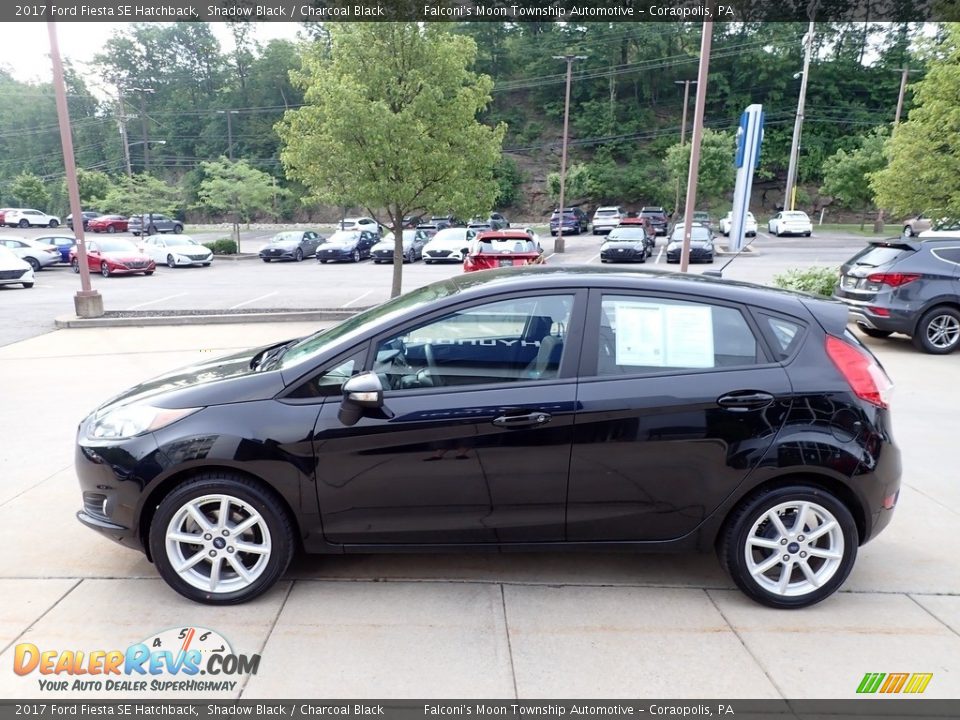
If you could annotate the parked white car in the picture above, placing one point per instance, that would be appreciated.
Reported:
(176, 250)
(38, 255)
(749, 225)
(24, 217)
(13, 270)
(607, 218)
(790, 222)
(448, 245)
(360, 223)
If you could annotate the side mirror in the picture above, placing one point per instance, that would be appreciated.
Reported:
(361, 392)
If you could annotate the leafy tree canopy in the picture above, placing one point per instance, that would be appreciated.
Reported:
(29, 191)
(716, 174)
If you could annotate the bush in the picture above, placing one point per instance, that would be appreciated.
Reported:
(817, 281)
(223, 246)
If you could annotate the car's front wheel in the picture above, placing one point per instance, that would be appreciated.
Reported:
(298, 255)
(104, 269)
(221, 539)
(75, 264)
(907, 231)
(54, 223)
(356, 256)
(110, 229)
(938, 331)
(789, 547)
(171, 261)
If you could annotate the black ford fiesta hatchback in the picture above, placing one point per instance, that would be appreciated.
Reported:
(534, 409)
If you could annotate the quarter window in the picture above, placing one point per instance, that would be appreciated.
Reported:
(507, 341)
(649, 335)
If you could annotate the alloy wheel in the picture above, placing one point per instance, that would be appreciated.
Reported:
(943, 331)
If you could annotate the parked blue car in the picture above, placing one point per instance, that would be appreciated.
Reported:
(63, 243)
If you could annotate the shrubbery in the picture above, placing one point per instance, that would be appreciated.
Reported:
(817, 280)
(223, 246)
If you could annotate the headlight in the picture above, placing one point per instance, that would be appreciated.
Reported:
(125, 422)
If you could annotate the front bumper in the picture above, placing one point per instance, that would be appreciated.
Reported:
(335, 255)
(696, 255)
(443, 256)
(623, 254)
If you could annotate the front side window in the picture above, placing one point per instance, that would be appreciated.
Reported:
(513, 340)
(648, 335)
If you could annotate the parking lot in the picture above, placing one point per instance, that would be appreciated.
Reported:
(461, 625)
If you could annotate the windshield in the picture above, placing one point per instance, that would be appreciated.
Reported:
(627, 233)
(450, 235)
(604, 212)
(181, 240)
(285, 237)
(316, 343)
(697, 234)
(117, 246)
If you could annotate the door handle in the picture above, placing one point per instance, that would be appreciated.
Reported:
(518, 421)
(745, 400)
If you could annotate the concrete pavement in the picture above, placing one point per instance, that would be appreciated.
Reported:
(529, 626)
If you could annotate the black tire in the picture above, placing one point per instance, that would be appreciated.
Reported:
(148, 273)
(152, 230)
(356, 256)
(104, 269)
(134, 233)
(323, 262)
(925, 336)
(265, 259)
(807, 234)
(427, 262)
(171, 263)
(110, 229)
(244, 492)
(907, 231)
(33, 263)
(748, 517)
(298, 255)
(23, 223)
(206, 264)
(54, 223)
(873, 332)
(75, 264)
(27, 285)
(177, 229)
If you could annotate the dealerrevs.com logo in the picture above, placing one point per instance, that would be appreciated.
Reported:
(179, 659)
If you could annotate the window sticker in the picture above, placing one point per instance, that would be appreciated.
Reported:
(640, 336)
(689, 331)
(652, 335)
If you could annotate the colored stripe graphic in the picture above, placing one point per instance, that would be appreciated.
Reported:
(870, 682)
(894, 682)
(918, 682)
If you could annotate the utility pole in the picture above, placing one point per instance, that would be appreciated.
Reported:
(558, 244)
(905, 71)
(706, 41)
(790, 193)
(228, 113)
(122, 123)
(683, 128)
(88, 302)
(143, 124)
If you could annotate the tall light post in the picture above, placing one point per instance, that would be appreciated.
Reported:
(683, 127)
(790, 192)
(558, 245)
(228, 113)
(706, 40)
(88, 302)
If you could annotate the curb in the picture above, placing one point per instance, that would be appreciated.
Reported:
(67, 322)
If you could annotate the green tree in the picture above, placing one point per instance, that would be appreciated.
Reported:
(92, 184)
(236, 189)
(30, 191)
(577, 186)
(716, 175)
(390, 121)
(141, 194)
(923, 173)
(846, 175)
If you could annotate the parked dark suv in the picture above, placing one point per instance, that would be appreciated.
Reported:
(516, 409)
(575, 221)
(906, 285)
(658, 218)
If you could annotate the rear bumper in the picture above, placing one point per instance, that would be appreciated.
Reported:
(861, 313)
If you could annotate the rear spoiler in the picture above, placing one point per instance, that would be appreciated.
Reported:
(901, 242)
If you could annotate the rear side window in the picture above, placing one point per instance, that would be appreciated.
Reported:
(784, 334)
(646, 335)
(950, 255)
(879, 255)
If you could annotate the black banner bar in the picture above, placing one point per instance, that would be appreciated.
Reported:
(478, 10)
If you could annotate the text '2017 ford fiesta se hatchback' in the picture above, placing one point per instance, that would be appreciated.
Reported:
(517, 409)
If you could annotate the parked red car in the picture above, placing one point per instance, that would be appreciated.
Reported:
(114, 256)
(108, 224)
(502, 248)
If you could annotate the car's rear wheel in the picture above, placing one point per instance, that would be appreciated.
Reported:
(789, 547)
(23, 223)
(171, 262)
(323, 262)
(221, 539)
(104, 269)
(873, 332)
(907, 231)
(34, 263)
(938, 331)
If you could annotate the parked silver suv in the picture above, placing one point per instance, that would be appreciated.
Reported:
(906, 285)
(153, 223)
(607, 218)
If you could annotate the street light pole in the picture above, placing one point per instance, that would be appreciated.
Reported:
(88, 302)
(228, 113)
(790, 192)
(558, 244)
(122, 123)
(706, 41)
(683, 127)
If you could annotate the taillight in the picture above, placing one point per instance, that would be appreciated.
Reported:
(866, 378)
(893, 279)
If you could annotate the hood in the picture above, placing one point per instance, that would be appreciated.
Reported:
(123, 256)
(282, 244)
(624, 242)
(226, 379)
